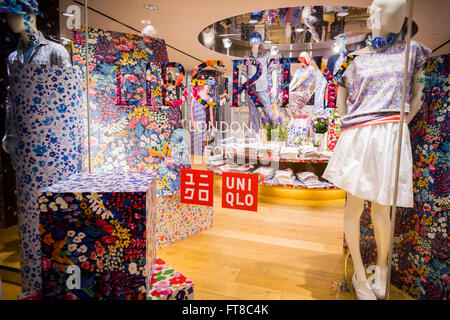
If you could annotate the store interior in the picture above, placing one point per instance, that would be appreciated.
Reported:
(154, 68)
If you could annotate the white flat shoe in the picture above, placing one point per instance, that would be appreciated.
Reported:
(363, 290)
(379, 287)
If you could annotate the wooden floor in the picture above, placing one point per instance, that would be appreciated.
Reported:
(283, 251)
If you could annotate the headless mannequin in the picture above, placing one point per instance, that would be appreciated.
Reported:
(260, 86)
(386, 16)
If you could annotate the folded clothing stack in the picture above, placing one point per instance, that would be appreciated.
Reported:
(309, 152)
(309, 179)
(215, 161)
(236, 168)
(228, 140)
(285, 176)
(326, 154)
(265, 173)
(289, 152)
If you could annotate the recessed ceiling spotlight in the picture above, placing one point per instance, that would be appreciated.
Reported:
(149, 30)
(67, 14)
(253, 21)
(151, 7)
(145, 21)
(299, 30)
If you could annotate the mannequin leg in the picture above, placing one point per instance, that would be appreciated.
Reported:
(264, 98)
(254, 116)
(382, 228)
(352, 216)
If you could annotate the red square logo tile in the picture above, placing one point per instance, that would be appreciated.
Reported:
(197, 187)
(240, 191)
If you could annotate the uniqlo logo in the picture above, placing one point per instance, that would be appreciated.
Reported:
(240, 191)
(197, 186)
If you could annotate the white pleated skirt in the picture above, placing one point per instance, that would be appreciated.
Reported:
(363, 163)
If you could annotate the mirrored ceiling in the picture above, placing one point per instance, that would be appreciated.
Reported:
(293, 30)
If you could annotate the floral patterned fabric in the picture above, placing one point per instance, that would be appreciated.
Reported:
(177, 221)
(421, 255)
(47, 108)
(169, 284)
(166, 284)
(375, 92)
(131, 130)
(108, 233)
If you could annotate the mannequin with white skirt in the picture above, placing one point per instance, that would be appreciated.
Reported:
(363, 163)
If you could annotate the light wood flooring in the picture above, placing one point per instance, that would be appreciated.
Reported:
(283, 251)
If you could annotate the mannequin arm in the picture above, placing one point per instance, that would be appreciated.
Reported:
(8, 139)
(193, 126)
(416, 99)
(293, 81)
(341, 100)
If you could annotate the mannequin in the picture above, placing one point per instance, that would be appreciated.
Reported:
(387, 17)
(36, 169)
(32, 48)
(301, 85)
(335, 61)
(275, 73)
(260, 86)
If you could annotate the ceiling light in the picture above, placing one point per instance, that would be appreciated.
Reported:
(146, 22)
(227, 43)
(149, 30)
(267, 41)
(151, 7)
(342, 14)
(299, 30)
(253, 21)
(67, 14)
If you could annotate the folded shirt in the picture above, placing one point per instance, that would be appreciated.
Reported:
(309, 179)
(289, 152)
(284, 176)
(266, 173)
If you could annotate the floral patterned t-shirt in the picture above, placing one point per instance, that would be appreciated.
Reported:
(374, 82)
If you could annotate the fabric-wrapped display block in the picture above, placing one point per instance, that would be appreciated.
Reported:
(98, 236)
(46, 104)
(131, 129)
(177, 221)
(169, 284)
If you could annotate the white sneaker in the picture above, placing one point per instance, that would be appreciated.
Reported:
(379, 287)
(362, 289)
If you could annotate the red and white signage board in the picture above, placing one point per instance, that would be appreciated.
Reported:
(240, 191)
(197, 187)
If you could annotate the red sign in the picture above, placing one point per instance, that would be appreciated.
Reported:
(240, 191)
(197, 186)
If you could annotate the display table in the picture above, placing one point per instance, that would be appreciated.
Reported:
(98, 236)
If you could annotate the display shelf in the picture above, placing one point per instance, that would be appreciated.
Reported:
(298, 185)
(279, 159)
